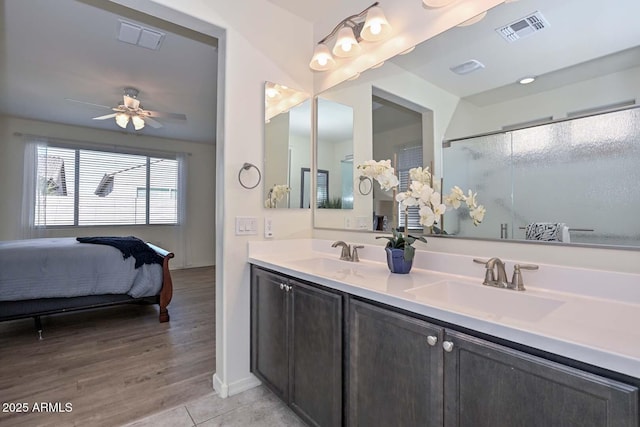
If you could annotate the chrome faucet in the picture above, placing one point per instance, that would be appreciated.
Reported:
(496, 276)
(348, 253)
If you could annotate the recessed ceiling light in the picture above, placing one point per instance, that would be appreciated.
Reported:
(526, 80)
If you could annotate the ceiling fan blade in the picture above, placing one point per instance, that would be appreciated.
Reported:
(88, 103)
(154, 124)
(176, 116)
(107, 116)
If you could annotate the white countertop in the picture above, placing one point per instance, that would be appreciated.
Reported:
(592, 316)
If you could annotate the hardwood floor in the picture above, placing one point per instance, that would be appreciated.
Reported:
(113, 365)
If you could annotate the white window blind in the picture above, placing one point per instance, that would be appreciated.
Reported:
(408, 158)
(322, 196)
(88, 187)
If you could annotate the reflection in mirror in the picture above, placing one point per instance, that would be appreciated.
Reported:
(589, 162)
(287, 143)
(397, 136)
(335, 155)
(574, 76)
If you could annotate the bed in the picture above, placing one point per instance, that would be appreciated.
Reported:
(54, 275)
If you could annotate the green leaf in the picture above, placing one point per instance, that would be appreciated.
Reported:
(409, 253)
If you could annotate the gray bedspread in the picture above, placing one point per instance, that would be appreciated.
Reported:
(63, 267)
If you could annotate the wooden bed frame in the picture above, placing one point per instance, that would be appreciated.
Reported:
(12, 310)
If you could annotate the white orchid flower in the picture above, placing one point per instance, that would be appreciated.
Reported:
(477, 214)
(406, 199)
(439, 209)
(420, 175)
(427, 217)
(471, 200)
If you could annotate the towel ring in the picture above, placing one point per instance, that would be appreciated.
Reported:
(246, 167)
(364, 179)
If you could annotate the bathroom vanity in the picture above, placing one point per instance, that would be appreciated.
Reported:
(348, 343)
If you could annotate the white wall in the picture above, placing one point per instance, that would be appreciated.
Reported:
(605, 90)
(259, 42)
(194, 248)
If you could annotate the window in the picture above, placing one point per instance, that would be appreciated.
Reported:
(87, 188)
(408, 158)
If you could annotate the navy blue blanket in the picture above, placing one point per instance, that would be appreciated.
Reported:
(129, 246)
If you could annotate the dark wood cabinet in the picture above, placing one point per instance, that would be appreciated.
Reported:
(296, 340)
(395, 369)
(404, 371)
(490, 385)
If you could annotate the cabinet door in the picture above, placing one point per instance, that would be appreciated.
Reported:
(316, 354)
(490, 385)
(395, 374)
(269, 356)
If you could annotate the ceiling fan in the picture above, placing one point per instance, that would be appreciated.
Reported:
(131, 111)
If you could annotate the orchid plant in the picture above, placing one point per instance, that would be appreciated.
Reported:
(276, 194)
(421, 193)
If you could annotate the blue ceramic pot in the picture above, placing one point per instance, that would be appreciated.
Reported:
(396, 262)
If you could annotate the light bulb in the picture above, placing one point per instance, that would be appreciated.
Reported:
(322, 59)
(346, 43)
(376, 27)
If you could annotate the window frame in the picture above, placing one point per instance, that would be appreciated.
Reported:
(148, 154)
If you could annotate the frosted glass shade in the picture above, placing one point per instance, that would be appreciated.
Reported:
(138, 123)
(122, 120)
(322, 59)
(346, 43)
(437, 3)
(376, 27)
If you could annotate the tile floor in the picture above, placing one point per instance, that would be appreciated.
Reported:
(256, 407)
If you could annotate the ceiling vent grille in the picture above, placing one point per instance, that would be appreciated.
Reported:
(524, 27)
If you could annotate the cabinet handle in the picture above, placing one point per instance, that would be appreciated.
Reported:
(432, 340)
(282, 286)
(287, 288)
(448, 346)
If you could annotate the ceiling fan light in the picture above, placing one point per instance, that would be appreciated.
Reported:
(138, 123)
(346, 43)
(376, 27)
(122, 120)
(322, 59)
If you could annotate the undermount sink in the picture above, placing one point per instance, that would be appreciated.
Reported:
(329, 267)
(492, 302)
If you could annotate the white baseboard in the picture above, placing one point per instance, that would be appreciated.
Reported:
(225, 390)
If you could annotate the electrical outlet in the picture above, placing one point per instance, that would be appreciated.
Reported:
(268, 227)
(347, 222)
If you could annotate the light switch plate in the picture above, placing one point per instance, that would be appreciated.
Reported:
(246, 225)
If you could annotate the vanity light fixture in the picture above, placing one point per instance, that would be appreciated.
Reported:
(435, 4)
(526, 80)
(473, 20)
(404, 52)
(368, 25)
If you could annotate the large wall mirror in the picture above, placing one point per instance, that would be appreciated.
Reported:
(287, 148)
(512, 143)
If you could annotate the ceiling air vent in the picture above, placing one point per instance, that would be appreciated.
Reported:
(523, 27)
